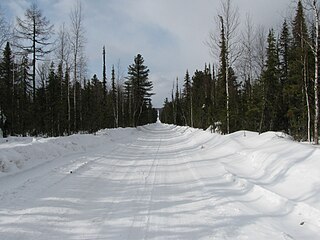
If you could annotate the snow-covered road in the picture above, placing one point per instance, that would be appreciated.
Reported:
(165, 182)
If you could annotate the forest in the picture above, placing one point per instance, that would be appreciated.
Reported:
(264, 80)
(54, 97)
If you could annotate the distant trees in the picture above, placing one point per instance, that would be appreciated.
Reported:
(272, 85)
(54, 97)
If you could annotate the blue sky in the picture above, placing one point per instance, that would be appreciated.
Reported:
(170, 34)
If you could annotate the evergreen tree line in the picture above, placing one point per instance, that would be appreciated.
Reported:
(37, 98)
(282, 97)
(98, 106)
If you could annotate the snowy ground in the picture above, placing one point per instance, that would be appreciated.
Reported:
(159, 182)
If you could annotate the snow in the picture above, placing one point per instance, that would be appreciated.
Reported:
(159, 181)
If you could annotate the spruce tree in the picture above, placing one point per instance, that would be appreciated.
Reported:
(139, 88)
(114, 98)
(223, 83)
(187, 99)
(198, 105)
(7, 91)
(24, 113)
(297, 91)
(284, 51)
(271, 93)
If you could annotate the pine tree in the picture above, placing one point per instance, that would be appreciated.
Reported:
(104, 72)
(223, 84)
(284, 51)
(114, 98)
(297, 91)
(139, 88)
(187, 98)
(198, 106)
(97, 104)
(23, 99)
(7, 91)
(179, 117)
(271, 93)
(53, 92)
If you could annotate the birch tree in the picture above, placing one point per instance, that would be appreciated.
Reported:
(77, 41)
(63, 57)
(316, 74)
(229, 20)
(247, 51)
(315, 51)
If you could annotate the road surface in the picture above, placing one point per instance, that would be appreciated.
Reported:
(167, 182)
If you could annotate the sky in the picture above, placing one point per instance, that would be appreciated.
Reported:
(171, 35)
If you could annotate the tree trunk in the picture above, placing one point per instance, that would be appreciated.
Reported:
(228, 97)
(316, 118)
(34, 77)
(307, 99)
(191, 111)
(69, 103)
(75, 94)
(304, 74)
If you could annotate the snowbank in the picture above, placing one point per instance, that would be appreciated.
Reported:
(22, 153)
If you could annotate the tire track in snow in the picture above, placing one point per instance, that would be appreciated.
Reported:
(142, 218)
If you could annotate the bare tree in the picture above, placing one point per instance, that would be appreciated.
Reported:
(77, 41)
(34, 31)
(229, 21)
(4, 29)
(63, 51)
(63, 48)
(260, 50)
(246, 63)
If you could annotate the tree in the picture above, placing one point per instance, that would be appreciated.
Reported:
(199, 103)
(7, 90)
(187, 99)
(229, 22)
(316, 73)
(4, 29)
(53, 92)
(77, 40)
(139, 88)
(314, 45)
(23, 99)
(284, 54)
(270, 82)
(114, 98)
(246, 62)
(35, 32)
(224, 78)
(179, 116)
(298, 88)
(104, 72)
